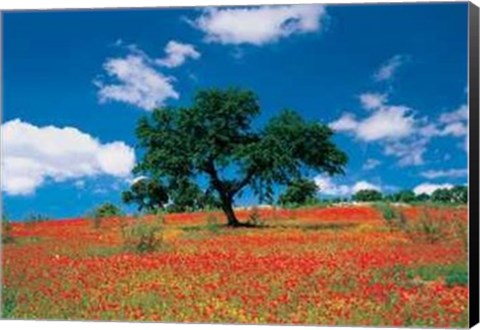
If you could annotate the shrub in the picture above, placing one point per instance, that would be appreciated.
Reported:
(387, 211)
(254, 218)
(457, 276)
(6, 231)
(213, 224)
(453, 274)
(430, 227)
(144, 235)
(105, 210)
(9, 302)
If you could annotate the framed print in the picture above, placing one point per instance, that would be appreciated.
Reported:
(299, 164)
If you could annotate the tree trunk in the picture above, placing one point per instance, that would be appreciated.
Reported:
(228, 210)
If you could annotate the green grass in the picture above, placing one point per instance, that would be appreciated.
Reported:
(454, 274)
(9, 302)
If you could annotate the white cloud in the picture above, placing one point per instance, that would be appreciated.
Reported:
(364, 185)
(372, 101)
(461, 114)
(259, 25)
(371, 163)
(138, 83)
(429, 188)
(386, 123)
(387, 70)
(409, 152)
(32, 155)
(326, 186)
(345, 123)
(177, 53)
(450, 173)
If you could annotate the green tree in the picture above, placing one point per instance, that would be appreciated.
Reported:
(459, 194)
(148, 194)
(423, 197)
(299, 192)
(405, 196)
(367, 195)
(215, 139)
(443, 195)
(187, 196)
(107, 210)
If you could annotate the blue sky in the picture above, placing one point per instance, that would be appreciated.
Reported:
(391, 80)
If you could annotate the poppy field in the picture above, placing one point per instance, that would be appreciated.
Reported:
(338, 265)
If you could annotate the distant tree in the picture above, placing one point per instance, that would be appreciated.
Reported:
(107, 210)
(148, 194)
(422, 197)
(459, 194)
(405, 196)
(390, 198)
(443, 195)
(299, 192)
(214, 138)
(367, 195)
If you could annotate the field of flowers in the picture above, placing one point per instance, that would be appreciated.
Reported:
(342, 265)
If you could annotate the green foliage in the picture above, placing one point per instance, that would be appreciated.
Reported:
(144, 235)
(9, 302)
(454, 274)
(442, 195)
(188, 197)
(422, 198)
(299, 192)
(6, 230)
(455, 195)
(105, 210)
(368, 195)
(432, 228)
(457, 277)
(216, 133)
(459, 194)
(148, 194)
(405, 196)
(213, 224)
(387, 211)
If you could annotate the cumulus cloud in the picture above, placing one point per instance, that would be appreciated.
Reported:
(388, 69)
(401, 133)
(387, 122)
(364, 185)
(429, 188)
(136, 82)
(328, 187)
(32, 155)
(177, 53)
(450, 173)
(259, 25)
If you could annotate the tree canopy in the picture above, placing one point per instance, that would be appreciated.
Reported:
(215, 139)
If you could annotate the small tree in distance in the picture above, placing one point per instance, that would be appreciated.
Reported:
(299, 192)
(215, 139)
(367, 195)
